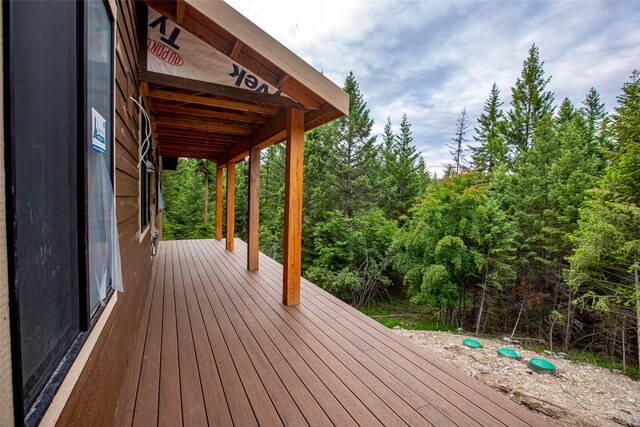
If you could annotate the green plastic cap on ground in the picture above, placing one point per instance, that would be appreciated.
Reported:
(542, 366)
(507, 352)
(471, 343)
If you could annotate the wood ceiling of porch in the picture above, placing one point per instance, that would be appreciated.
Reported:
(204, 120)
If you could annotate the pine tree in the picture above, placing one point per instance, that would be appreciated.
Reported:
(404, 172)
(606, 261)
(492, 151)
(356, 165)
(594, 113)
(321, 195)
(529, 104)
(458, 140)
(388, 140)
(203, 167)
(566, 112)
(272, 171)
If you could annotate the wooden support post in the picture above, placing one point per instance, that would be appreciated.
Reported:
(253, 220)
(293, 207)
(219, 203)
(231, 202)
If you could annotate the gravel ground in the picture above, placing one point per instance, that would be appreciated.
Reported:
(577, 394)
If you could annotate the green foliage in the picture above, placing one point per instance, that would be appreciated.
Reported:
(566, 112)
(403, 174)
(183, 193)
(541, 237)
(604, 361)
(530, 102)
(492, 151)
(394, 313)
(272, 201)
(605, 262)
(354, 157)
(445, 244)
(351, 256)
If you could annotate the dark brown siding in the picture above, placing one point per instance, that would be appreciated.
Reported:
(97, 396)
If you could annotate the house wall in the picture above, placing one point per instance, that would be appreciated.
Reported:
(6, 388)
(95, 398)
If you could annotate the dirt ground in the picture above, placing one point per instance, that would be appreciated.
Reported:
(577, 394)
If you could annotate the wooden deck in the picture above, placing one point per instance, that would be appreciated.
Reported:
(221, 349)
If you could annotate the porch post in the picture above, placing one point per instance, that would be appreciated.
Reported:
(293, 207)
(253, 210)
(231, 202)
(219, 202)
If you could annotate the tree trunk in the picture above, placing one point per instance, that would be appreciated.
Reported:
(637, 288)
(519, 314)
(567, 334)
(484, 291)
(624, 344)
(206, 198)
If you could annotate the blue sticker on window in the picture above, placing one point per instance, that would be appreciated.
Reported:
(98, 132)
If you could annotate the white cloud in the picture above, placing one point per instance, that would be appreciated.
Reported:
(432, 58)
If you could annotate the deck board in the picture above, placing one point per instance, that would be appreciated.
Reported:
(222, 349)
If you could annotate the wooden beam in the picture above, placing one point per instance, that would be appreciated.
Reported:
(201, 112)
(268, 134)
(212, 102)
(182, 142)
(219, 202)
(180, 11)
(200, 125)
(274, 132)
(237, 47)
(292, 254)
(231, 203)
(253, 220)
(218, 90)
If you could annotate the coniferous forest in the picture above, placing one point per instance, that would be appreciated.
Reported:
(533, 231)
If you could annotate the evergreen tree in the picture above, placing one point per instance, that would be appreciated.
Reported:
(356, 167)
(424, 177)
(594, 113)
(183, 192)
(272, 172)
(530, 102)
(351, 258)
(456, 148)
(566, 112)
(492, 151)
(203, 167)
(388, 144)
(321, 195)
(606, 262)
(402, 171)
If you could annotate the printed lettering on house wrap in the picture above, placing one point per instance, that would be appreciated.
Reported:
(174, 51)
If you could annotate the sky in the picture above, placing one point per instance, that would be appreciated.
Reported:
(431, 59)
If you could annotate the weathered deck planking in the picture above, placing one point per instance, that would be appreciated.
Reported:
(222, 349)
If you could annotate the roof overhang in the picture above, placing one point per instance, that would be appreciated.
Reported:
(193, 117)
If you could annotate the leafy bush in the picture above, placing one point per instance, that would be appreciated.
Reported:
(352, 260)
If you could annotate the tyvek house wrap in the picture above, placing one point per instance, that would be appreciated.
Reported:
(174, 51)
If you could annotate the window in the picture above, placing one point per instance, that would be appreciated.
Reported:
(99, 153)
(61, 81)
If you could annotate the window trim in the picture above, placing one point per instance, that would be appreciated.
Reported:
(87, 319)
(143, 229)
